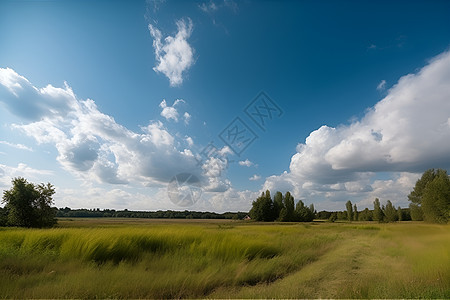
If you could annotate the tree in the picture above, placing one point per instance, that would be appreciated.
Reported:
(436, 198)
(430, 198)
(333, 217)
(3, 217)
(262, 208)
(29, 205)
(324, 215)
(390, 213)
(282, 208)
(348, 205)
(400, 216)
(416, 212)
(46, 214)
(278, 204)
(304, 213)
(355, 213)
(377, 212)
(342, 215)
(365, 215)
(416, 194)
(287, 212)
(313, 211)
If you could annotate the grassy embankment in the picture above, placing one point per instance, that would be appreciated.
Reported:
(155, 259)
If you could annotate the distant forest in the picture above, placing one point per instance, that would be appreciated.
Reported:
(166, 214)
(365, 215)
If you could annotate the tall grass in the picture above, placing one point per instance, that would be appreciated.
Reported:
(191, 260)
(404, 260)
(168, 260)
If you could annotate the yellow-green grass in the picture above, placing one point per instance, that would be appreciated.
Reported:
(129, 258)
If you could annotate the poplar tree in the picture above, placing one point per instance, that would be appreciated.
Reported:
(377, 212)
(348, 205)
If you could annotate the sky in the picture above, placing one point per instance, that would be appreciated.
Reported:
(202, 105)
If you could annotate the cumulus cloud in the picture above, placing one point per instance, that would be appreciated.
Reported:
(405, 133)
(17, 93)
(245, 163)
(174, 56)
(214, 167)
(255, 177)
(91, 144)
(170, 112)
(214, 171)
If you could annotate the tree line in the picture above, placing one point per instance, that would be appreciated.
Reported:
(380, 213)
(30, 205)
(160, 214)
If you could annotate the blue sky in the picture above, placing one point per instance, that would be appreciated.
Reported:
(111, 100)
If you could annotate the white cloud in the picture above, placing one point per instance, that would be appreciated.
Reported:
(117, 198)
(245, 163)
(255, 177)
(405, 133)
(230, 200)
(282, 183)
(187, 117)
(90, 144)
(190, 141)
(170, 112)
(173, 55)
(214, 170)
(7, 173)
(17, 93)
(214, 166)
(225, 150)
(96, 149)
(382, 85)
(17, 146)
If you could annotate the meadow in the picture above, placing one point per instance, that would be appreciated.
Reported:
(139, 258)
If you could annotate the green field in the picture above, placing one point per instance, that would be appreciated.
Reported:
(135, 258)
